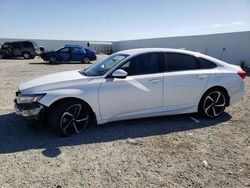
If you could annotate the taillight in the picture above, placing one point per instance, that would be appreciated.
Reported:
(242, 74)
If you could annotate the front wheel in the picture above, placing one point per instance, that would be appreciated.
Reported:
(212, 104)
(69, 117)
(86, 60)
(52, 60)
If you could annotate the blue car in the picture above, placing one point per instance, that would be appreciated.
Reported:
(70, 53)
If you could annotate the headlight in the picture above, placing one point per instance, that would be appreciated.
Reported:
(22, 98)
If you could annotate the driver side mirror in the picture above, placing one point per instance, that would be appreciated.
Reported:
(119, 73)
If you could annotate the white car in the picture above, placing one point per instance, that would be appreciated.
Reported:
(132, 84)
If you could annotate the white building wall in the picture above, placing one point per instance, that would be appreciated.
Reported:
(229, 47)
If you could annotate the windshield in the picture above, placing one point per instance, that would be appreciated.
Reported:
(35, 45)
(103, 66)
(57, 50)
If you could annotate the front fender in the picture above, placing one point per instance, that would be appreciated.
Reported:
(88, 96)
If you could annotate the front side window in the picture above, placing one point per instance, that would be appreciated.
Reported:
(181, 62)
(103, 66)
(64, 50)
(142, 64)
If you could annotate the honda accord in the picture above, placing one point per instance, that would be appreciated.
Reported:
(132, 84)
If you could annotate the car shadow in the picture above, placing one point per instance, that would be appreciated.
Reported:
(15, 136)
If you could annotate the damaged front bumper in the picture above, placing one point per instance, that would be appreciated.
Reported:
(29, 111)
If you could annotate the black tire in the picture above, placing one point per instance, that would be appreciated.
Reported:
(26, 55)
(52, 60)
(212, 103)
(69, 117)
(85, 60)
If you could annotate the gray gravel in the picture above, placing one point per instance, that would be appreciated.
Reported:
(171, 151)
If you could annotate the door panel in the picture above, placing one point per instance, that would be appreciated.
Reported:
(17, 51)
(183, 89)
(76, 54)
(131, 96)
(139, 93)
(64, 54)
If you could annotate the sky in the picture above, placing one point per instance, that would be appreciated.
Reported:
(114, 20)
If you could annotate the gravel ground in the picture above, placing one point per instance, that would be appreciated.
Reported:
(171, 151)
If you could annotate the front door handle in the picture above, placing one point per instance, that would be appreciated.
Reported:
(154, 80)
(202, 76)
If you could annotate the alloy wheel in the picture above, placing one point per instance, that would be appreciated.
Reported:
(52, 59)
(214, 104)
(86, 60)
(74, 119)
(26, 55)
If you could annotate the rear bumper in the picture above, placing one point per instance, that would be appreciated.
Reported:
(237, 92)
(30, 111)
(236, 97)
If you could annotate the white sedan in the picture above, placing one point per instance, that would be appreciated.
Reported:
(132, 84)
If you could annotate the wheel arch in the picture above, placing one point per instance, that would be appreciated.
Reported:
(25, 51)
(85, 55)
(220, 88)
(53, 104)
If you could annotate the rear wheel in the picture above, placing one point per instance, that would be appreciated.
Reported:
(69, 117)
(26, 55)
(213, 104)
(86, 60)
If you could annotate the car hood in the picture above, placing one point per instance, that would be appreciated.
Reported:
(53, 81)
(48, 53)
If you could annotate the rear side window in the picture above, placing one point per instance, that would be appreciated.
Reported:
(205, 64)
(27, 44)
(142, 64)
(181, 62)
(76, 50)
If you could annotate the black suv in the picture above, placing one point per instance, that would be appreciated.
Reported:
(25, 49)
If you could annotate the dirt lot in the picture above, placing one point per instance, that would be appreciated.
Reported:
(172, 151)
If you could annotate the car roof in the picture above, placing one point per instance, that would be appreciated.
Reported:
(147, 50)
(72, 46)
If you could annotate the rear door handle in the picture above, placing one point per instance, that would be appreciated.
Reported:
(202, 76)
(154, 80)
